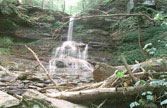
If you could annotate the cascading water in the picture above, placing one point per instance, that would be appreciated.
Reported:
(71, 57)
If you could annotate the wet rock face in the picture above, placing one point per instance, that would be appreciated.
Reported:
(100, 44)
(7, 101)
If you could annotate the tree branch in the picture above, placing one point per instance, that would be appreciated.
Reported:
(113, 15)
(45, 70)
(128, 69)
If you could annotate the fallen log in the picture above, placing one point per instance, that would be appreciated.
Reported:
(113, 94)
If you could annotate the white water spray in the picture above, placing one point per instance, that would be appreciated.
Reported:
(71, 57)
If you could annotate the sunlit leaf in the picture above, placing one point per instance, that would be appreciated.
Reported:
(144, 93)
(134, 104)
(150, 97)
(141, 101)
(164, 102)
(149, 92)
(120, 74)
(137, 83)
(143, 81)
(125, 84)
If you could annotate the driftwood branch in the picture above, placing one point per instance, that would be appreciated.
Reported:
(109, 81)
(144, 70)
(128, 69)
(45, 70)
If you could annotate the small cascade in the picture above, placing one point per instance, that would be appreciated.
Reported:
(70, 29)
(71, 57)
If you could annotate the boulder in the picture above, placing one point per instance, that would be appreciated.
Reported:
(7, 101)
(103, 71)
(60, 64)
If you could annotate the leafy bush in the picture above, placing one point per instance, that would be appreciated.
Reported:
(6, 7)
(6, 41)
(6, 44)
(129, 43)
(57, 24)
(133, 55)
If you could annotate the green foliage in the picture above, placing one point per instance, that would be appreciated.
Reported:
(106, 1)
(147, 97)
(57, 24)
(129, 24)
(155, 98)
(164, 102)
(144, 10)
(133, 55)
(129, 44)
(140, 82)
(7, 24)
(6, 44)
(134, 104)
(120, 74)
(79, 28)
(6, 7)
(6, 41)
(4, 51)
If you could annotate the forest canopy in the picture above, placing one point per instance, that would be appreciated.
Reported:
(68, 6)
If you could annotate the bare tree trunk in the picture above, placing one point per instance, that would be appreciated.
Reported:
(64, 6)
(83, 4)
(1, 1)
(30, 2)
(52, 4)
(19, 2)
(43, 4)
(139, 40)
(71, 10)
(57, 4)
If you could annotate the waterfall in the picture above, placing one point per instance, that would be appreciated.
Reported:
(71, 57)
(70, 29)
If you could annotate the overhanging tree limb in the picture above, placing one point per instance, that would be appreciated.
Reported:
(113, 15)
